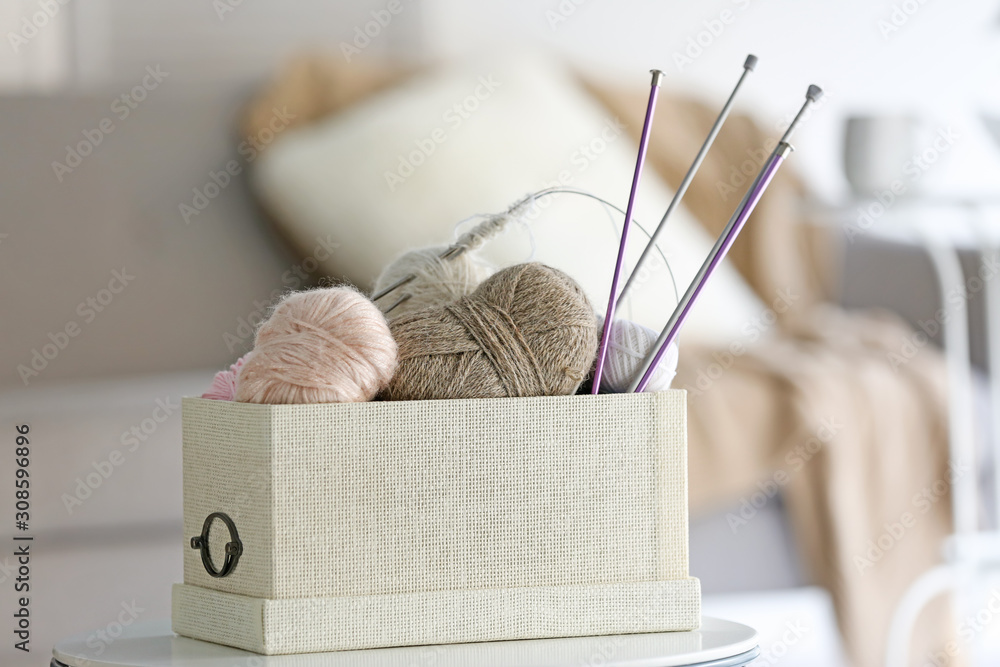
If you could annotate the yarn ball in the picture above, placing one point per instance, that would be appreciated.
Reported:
(224, 383)
(437, 280)
(627, 348)
(328, 345)
(528, 330)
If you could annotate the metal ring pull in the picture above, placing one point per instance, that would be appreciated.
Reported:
(234, 548)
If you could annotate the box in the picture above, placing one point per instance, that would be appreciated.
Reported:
(381, 524)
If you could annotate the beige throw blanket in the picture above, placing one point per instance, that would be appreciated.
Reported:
(853, 440)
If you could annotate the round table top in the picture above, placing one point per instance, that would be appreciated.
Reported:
(717, 643)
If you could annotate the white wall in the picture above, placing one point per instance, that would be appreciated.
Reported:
(104, 43)
(941, 64)
(35, 53)
(225, 40)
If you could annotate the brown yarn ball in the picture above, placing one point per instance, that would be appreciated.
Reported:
(319, 346)
(528, 330)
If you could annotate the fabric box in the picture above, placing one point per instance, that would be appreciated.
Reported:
(429, 522)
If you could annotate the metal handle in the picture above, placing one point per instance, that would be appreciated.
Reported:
(234, 548)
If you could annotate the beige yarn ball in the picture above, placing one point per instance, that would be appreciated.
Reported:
(329, 345)
(437, 281)
(528, 330)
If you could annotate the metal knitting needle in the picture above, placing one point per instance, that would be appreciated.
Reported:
(670, 331)
(403, 299)
(748, 66)
(609, 318)
(448, 253)
(813, 94)
(393, 287)
(722, 245)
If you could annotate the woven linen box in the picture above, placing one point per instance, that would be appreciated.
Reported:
(382, 524)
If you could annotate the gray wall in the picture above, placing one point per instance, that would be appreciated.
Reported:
(119, 210)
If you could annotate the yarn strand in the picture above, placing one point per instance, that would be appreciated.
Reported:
(496, 223)
(492, 226)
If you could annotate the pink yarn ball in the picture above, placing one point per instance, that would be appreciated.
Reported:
(327, 345)
(224, 383)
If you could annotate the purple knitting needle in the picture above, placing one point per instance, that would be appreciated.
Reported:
(722, 245)
(748, 66)
(609, 318)
(673, 327)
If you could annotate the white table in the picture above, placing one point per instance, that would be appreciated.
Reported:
(717, 643)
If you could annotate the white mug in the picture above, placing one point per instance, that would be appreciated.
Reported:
(877, 150)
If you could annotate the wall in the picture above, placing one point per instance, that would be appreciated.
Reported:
(121, 205)
(939, 63)
(196, 282)
(930, 58)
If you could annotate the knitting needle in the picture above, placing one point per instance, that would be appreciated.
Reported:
(670, 331)
(718, 253)
(748, 66)
(609, 318)
(448, 253)
(813, 94)
(403, 299)
(393, 287)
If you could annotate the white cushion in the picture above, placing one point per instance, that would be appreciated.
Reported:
(530, 126)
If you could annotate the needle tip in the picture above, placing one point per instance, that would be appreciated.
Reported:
(814, 93)
(751, 63)
(657, 76)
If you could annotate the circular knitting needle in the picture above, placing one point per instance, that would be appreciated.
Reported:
(609, 318)
(748, 66)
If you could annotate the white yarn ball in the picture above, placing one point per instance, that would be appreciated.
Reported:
(437, 280)
(627, 348)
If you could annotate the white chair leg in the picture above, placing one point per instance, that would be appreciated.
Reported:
(928, 586)
(961, 411)
(962, 448)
